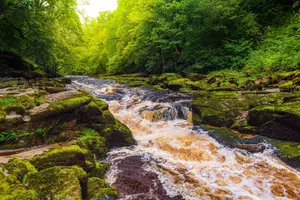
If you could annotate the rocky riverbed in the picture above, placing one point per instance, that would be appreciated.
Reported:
(51, 139)
(54, 134)
(242, 112)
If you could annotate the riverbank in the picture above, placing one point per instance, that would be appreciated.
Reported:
(52, 138)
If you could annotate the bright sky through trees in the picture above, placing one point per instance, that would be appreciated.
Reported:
(96, 6)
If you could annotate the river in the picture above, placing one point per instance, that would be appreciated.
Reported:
(175, 160)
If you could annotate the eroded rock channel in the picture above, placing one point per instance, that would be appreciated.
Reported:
(174, 160)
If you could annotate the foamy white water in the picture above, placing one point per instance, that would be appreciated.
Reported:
(187, 162)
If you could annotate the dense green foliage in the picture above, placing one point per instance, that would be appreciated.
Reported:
(45, 31)
(159, 36)
(154, 36)
(279, 50)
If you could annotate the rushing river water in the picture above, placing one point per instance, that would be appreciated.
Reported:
(174, 160)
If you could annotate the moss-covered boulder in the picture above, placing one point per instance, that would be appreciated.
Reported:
(19, 168)
(4, 186)
(57, 183)
(98, 189)
(11, 188)
(277, 121)
(241, 125)
(195, 76)
(218, 108)
(199, 85)
(60, 103)
(99, 170)
(95, 143)
(288, 151)
(65, 156)
(119, 135)
(177, 84)
(232, 139)
(116, 133)
(53, 90)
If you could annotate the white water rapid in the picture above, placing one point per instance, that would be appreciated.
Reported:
(188, 163)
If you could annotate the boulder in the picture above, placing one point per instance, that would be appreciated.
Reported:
(277, 121)
(116, 133)
(218, 108)
(236, 140)
(177, 84)
(53, 90)
(97, 189)
(52, 98)
(99, 170)
(195, 76)
(65, 156)
(19, 168)
(59, 103)
(287, 151)
(12, 188)
(95, 143)
(57, 183)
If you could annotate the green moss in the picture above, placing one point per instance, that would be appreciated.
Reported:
(19, 168)
(63, 106)
(196, 119)
(119, 135)
(199, 85)
(2, 116)
(291, 107)
(98, 188)
(287, 87)
(288, 75)
(243, 126)
(65, 156)
(138, 84)
(4, 186)
(17, 104)
(80, 173)
(169, 76)
(288, 150)
(70, 103)
(8, 83)
(24, 195)
(92, 110)
(226, 84)
(227, 135)
(177, 84)
(100, 104)
(12, 189)
(100, 170)
(7, 101)
(58, 183)
(88, 132)
(95, 143)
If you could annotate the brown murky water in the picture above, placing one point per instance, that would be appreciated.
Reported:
(171, 161)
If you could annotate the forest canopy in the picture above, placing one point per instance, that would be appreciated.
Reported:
(154, 36)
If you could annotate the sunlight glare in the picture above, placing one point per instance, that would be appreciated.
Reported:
(97, 6)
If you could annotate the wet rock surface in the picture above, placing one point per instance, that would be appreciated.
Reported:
(77, 115)
(275, 115)
(137, 183)
(31, 116)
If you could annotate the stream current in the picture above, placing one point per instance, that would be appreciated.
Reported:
(174, 160)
